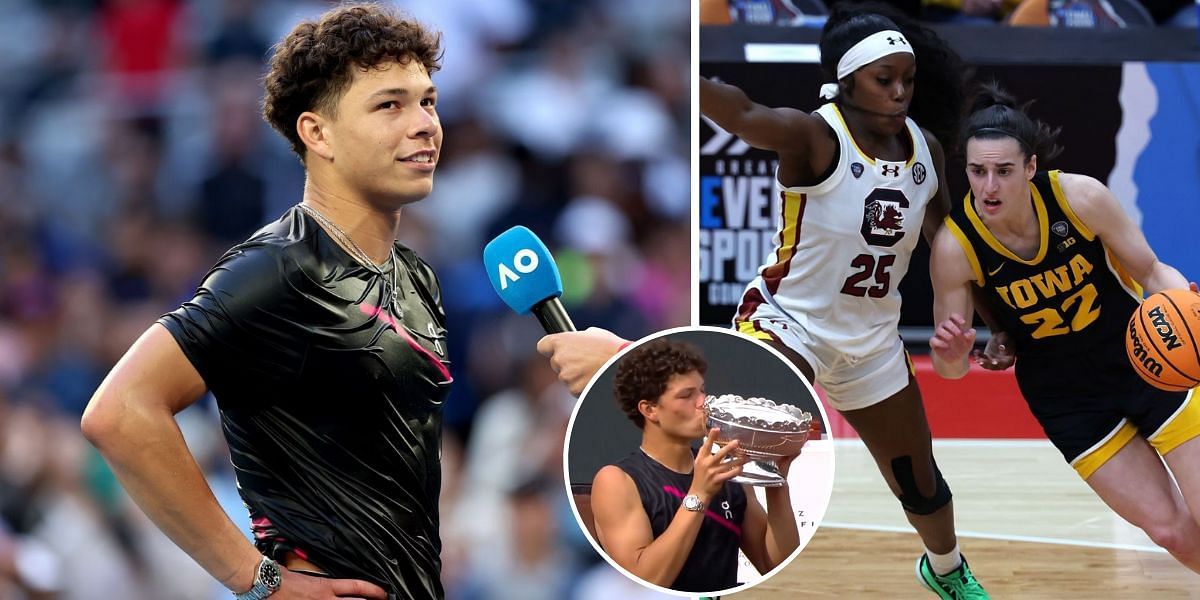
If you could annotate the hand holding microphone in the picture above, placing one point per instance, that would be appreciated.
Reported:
(576, 356)
(524, 274)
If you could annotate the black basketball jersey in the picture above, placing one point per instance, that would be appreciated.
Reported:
(712, 564)
(330, 390)
(1073, 296)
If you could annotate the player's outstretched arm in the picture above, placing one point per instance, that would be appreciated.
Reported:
(577, 355)
(624, 528)
(998, 354)
(1101, 214)
(953, 336)
(783, 130)
(131, 421)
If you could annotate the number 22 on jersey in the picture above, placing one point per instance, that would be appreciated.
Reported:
(1051, 322)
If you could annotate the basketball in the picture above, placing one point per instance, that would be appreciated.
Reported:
(1162, 341)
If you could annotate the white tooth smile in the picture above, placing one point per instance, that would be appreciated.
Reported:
(421, 158)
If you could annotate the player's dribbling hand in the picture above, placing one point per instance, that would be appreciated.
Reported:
(952, 339)
(298, 586)
(577, 355)
(998, 355)
(711, 470)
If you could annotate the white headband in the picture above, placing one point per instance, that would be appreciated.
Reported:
(866, 51)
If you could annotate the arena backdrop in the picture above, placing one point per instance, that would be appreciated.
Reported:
(1132, 125)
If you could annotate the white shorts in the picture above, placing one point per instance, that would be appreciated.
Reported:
(850, 382)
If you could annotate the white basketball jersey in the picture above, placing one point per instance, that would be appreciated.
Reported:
(843, 245)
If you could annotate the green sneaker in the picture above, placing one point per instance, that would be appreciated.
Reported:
(958, 584)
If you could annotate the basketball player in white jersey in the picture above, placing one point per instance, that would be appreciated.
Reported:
(860, 182)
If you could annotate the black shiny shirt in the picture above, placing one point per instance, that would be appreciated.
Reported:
(330, 399)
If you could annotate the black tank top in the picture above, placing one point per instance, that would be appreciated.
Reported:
(330, 399)
(1073, 297)
(712, 564)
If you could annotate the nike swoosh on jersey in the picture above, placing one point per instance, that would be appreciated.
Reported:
(997, 270)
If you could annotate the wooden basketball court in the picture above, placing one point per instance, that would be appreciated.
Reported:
(1028, 525)
(871, 564)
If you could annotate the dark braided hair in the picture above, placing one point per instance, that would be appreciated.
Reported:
(995, 115)
(937, 103)
(643, 374)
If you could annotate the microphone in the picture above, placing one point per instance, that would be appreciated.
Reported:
(524, 274)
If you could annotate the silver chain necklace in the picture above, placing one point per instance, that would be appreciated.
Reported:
(358, 254)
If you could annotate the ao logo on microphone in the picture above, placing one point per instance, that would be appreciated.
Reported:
(524, 261)
(521, 269)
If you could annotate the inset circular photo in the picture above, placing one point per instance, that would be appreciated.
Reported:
(698, 462)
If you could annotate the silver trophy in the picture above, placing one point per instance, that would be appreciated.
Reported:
(765, 431)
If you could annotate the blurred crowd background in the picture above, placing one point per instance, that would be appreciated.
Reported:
(132, 154)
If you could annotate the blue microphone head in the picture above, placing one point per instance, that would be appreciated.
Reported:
(521, 269)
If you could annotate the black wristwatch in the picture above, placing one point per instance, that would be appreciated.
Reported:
(267, 580)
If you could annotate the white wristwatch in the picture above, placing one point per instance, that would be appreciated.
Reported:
(693, 503)
(267, 579)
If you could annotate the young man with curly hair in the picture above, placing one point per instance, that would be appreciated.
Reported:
(668, 514)
(322, 339)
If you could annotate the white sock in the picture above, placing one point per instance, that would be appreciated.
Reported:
(944, 563)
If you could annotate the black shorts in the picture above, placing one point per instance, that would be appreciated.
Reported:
(1091, 405)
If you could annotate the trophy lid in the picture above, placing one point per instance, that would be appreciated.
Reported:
(759, 413)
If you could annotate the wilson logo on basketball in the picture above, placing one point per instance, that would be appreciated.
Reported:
(1163, 341)
(1163, 327)
(1137, 352)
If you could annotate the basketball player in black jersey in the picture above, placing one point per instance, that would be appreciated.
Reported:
(1060, 265)
(668, 514)
(322, 339)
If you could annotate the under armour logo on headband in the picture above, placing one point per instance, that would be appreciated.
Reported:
(867, 50)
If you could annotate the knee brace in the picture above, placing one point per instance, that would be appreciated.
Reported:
(910, 495)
